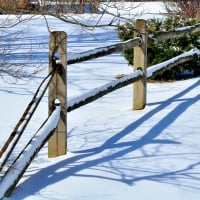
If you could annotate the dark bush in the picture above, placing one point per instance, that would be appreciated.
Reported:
(160, 51)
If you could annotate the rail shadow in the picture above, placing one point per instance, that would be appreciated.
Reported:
(81, 159)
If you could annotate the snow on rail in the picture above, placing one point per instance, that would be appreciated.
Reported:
(176, 33)
(103, 90)
(24, 120)
(103, 51)
(184, 57)
(116, 84)
(14, 173)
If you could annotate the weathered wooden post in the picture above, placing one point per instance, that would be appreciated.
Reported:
(198, 15)
(57, 143)
(140, 62)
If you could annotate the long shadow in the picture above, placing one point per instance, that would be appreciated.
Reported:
(51, 174)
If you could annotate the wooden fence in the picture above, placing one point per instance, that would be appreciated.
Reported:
(54, 129)
(140, 74)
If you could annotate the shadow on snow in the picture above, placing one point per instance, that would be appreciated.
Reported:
(74, 165)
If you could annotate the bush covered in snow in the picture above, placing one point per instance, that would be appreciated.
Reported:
(160, 51)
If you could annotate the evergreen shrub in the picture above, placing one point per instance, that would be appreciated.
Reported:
(160, 51)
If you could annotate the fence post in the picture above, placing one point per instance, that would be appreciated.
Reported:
(140, 62)
(198, 15)
(57, 143)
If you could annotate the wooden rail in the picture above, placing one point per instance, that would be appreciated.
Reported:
(104, 51)
(23, 160)
(176, 33)
(24, 120)
(103, 90)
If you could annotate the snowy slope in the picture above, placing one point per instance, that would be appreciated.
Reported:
(114, 153)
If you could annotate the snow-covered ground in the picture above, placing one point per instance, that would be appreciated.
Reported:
(114, 153)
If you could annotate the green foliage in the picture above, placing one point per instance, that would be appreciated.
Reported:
(160, 51)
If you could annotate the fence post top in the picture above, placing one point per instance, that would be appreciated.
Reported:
(57, 32)
(198, 15)
(140, 22)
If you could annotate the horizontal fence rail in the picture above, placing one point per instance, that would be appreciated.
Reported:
(24, 120)
(104, 51)
(193, 54)
(176, 33)
(103, 90)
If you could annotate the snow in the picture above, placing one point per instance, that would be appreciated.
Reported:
(33, 145)
(103, 51)
(165, 64)
(114, 152)
(135, 9)
(103, 88)
(25, 119)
